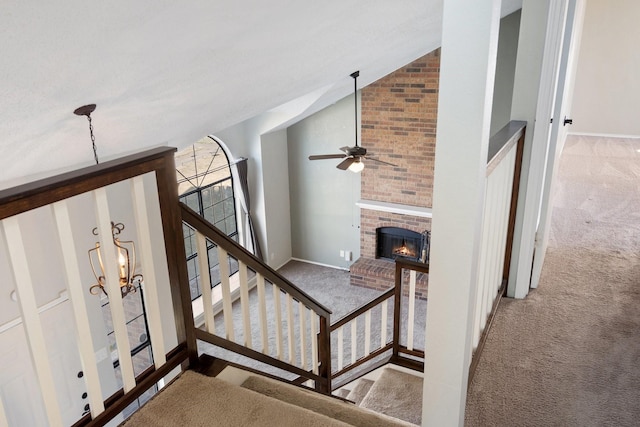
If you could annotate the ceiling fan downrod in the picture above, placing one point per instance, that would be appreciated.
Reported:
(355, 76)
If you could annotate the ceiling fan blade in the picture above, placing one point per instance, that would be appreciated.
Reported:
(380, 161)
(345, 149)
(344, 165)
(326, 156)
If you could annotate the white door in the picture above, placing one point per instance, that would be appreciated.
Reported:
(558, 133)
(19, 387)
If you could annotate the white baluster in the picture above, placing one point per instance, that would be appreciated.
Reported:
(19, 269)
(290, 328)
(205, 283)
(278, 323)
(303, 334)
(314, 342)
(367, 333)
(227, 307)
(340, 348)
(412, 308)
(108, 251)
(383, 324)
(244, 302)
(77, 291)
(262, 309)
(354, 340)
(149, 287)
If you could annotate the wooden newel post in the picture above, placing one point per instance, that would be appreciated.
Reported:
(324, 350)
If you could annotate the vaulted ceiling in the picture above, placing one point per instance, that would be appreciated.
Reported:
(165, 72)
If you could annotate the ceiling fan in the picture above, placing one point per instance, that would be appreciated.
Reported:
(352, 156)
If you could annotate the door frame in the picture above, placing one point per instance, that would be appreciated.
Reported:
(558, 135)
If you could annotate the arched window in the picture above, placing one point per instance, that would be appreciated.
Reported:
(205, 184)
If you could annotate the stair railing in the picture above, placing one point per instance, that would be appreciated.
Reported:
(293, 327)
(501, 200)
(380, 331)
(503, 179)
(45, 227)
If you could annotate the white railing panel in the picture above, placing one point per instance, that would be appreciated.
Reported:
(290, 329)
(278, 323)
(227, 303)
(262, 311)
(490, 218)
(507, 209)
(496, 236)
(244, 303)
(493, 244)
(77, 291)
(302, 311)
(118, 318)
(482, 271)
(412, 308)
(205, 282)
(151, 299)
(21, 273)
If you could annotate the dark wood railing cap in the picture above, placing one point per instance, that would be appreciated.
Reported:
(49, 190)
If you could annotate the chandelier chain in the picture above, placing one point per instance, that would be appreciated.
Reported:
(93, 139)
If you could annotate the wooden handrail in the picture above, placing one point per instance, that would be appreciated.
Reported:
(413, 265)
(241, 254)
(45, 191)
(359, 311)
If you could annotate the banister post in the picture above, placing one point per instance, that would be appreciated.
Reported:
(176, 257)
(324, 349)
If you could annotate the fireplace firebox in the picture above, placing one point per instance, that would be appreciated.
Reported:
(395, 242)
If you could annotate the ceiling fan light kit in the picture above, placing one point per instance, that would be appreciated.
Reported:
(353, 156)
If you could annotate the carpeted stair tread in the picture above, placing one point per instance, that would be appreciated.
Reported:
(343, 393)
(360, 390)
(195, 400)
(396, 394)
(326, 405)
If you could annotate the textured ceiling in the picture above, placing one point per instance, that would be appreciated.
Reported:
(165, 72)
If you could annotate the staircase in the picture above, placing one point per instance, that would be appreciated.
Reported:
(390, 391)
(243, 398)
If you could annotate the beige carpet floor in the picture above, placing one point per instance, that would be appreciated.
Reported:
(396, 394)
(569, 354)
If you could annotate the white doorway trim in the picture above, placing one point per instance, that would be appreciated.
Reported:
(522, 260)
(570, 49)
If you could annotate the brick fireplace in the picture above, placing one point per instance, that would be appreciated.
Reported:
(399, 114)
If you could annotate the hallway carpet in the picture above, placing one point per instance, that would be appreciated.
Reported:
(569, 354)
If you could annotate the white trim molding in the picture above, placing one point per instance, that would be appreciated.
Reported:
(394, 208)
(604, 135)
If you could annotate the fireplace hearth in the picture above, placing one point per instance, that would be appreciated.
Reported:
(395, 242)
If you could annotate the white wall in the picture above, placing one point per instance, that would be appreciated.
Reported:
(268, 180)
(277, 250)
(324, 217)
(505, 71)
(607, 85)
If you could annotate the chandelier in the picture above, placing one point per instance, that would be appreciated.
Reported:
(126, 261)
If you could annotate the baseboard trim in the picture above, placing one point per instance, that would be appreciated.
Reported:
(320, 264)
(604, 135)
